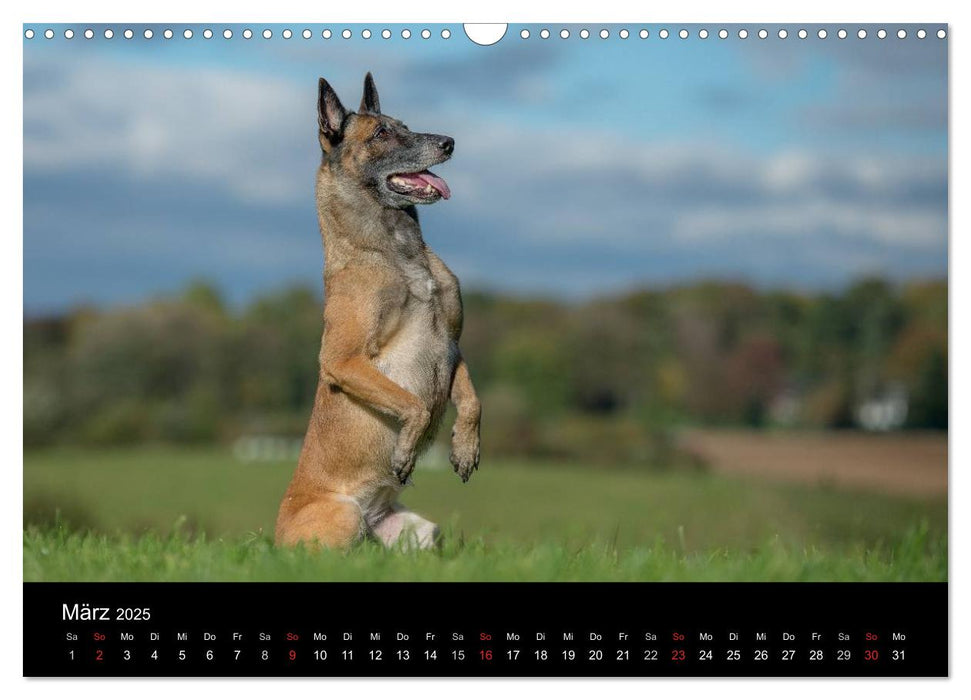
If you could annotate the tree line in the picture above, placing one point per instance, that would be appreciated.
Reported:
(609, 377)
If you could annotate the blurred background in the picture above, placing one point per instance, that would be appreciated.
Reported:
(705, 281)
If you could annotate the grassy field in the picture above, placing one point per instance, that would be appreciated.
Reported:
(180, 514)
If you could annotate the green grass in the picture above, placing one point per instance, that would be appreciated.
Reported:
(180, 514)
(61, 555)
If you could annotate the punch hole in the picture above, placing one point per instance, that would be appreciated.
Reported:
(68, 33)
(386, 33)
(446, 33)
(405, 33)
(306, 34)
(783, 33)
(524, 34)
(763, 34)
(425, 34)
(148, 34)
(663, 33)
(683, 34)
(89, 34)
(643, 34)
(941, 34)
(247, 33)
(29, 34)
(346, 33)
(168, 34)
(803, 33)
(841, 33)
(624, 33)
(129, 34)
(743, 33)
(109, 34)
(545, 34)
(187, 34)
(902, 34)
(564, 33)
(921, 34)
(722, 33)
(604, 34)
(227, 34)
(487, 34)
(882, 34)
(861, 33)
(327, 34)
(207, 34)
(366, 34)
(49, 34)
(821, 33)
(267, 34)
(702, 33)
(287, 34)
(584, 33)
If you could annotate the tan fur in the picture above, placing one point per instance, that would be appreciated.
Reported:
(389, 363)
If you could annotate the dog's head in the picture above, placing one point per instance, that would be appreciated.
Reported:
(379, 153)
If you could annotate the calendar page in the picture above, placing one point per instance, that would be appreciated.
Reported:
(360, 350)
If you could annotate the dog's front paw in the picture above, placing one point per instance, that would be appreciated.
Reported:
(403, 464)
(465, 454)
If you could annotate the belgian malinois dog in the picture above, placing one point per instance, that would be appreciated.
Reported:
(389, 356)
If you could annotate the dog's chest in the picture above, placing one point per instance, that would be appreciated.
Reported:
(420, 356)
(419, 280)
(412, 264)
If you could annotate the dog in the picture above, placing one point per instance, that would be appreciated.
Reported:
(389, 356)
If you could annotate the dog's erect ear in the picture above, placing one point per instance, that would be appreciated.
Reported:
(370, 102)
(330, 113)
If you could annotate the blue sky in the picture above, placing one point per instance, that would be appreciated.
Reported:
(581, 167)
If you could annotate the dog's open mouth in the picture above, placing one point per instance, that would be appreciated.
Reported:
(423, 185)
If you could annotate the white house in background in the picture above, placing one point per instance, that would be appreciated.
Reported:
(887, 411)
(786, 408)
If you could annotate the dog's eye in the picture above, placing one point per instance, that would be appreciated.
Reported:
(381, 132)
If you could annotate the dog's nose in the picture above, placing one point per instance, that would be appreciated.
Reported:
(447, 144)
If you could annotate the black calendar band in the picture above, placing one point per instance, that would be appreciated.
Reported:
(485, 629)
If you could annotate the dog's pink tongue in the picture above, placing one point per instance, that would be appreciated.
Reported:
(435, 181)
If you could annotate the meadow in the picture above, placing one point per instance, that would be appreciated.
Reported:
(190, 514)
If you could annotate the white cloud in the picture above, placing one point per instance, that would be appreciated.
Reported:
(910, 229)
(251, 135)
(599, 185)
(231, 129)
(591, 155)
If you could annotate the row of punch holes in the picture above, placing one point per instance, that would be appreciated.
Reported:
(246, 34)
(724, 34)
(524, 34)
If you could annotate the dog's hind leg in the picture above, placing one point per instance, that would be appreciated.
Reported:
(406, 529)
(328, 521)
